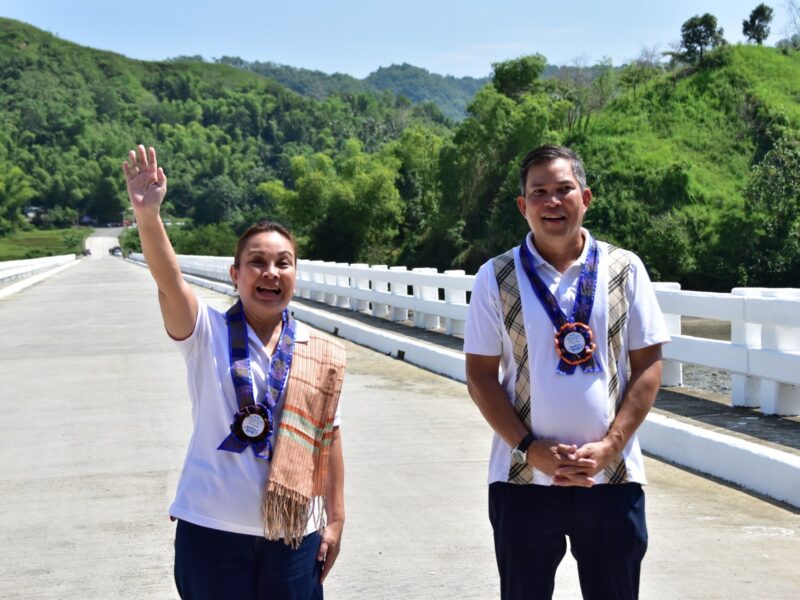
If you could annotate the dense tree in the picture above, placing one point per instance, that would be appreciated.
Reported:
(216, 239)
(640, 71)
(633, 76)
(418, 151)
(344, 208)
(57, 217)
(15, 191)
(602, 89)
(698, 35)
(479, 175)
(585, 90)
(756, 28)
(220, 200)
(773, 209)
(515, 77)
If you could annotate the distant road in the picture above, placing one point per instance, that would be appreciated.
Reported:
(102, 240)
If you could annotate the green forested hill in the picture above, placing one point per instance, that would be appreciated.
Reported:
(697, 169)
(70, 114)
(450, 94)
(678, 166)
(307, 82)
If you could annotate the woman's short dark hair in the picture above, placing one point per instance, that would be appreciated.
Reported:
(261, 227)
(546, 154)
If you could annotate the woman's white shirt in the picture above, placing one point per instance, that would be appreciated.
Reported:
(219, 489)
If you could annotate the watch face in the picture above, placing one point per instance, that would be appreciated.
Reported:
(518, 455)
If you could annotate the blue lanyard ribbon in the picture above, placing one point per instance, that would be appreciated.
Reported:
(253, 424)
(573, 335)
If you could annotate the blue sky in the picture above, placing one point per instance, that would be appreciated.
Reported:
(358, 36)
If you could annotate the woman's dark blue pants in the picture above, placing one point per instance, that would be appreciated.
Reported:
(605, 525)
(218, 565)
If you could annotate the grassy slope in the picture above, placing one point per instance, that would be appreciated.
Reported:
(46, 242)
(703, 120)
(774, 79)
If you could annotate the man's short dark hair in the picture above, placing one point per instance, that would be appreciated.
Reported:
(546, 154)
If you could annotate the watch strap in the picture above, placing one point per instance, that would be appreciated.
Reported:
(525, 443)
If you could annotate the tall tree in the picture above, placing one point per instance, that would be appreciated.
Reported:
(641, 70)
(756, 28)
(698, 35)
(573, 83)
(515, 77)
(219, 200)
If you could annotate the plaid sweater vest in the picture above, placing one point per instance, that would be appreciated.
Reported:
(505, 272)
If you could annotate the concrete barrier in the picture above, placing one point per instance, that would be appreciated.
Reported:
(16, 275)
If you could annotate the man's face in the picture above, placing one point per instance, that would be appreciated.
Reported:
(554, 204)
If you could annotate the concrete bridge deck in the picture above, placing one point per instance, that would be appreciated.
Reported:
(95, 423)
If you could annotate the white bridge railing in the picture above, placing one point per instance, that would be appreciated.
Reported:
(12, 270)
(763, 355)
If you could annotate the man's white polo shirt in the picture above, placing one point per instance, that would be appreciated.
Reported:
(572, 409)
(219, 489)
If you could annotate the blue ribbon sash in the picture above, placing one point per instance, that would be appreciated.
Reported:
(253, 424)
(573, 337)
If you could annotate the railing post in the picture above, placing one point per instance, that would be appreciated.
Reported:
(343, 281)
(379, 309)
(318, 295)
(778, 398)
(304, 276)
(451, 296)
(424, 292)
(330, 280)
(359, 283)
(672, 370)
(745, 388)
(223, 270)
(399, 289)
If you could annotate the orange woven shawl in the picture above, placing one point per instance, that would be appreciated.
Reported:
(302, 442)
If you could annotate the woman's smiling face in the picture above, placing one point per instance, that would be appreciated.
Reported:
(266, 273)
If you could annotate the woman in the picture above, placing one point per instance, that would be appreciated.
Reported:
(265, 460)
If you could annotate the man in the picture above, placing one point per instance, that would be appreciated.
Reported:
(563, 315)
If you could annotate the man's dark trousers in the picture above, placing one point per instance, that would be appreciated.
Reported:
(605, 525)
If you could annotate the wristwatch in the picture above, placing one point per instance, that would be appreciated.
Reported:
(520, 453)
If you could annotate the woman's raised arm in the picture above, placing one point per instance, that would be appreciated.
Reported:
(147, 186)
